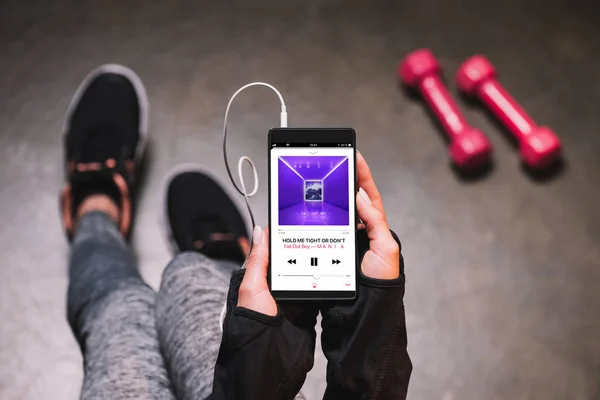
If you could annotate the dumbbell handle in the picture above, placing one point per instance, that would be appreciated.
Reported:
(506, 109)
(436, 94)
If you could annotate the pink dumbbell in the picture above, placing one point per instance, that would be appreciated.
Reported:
(469, 147)
(539, 146)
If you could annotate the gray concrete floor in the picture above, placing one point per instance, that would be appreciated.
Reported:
(502, 297)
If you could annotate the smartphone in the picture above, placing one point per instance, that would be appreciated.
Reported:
(312, 214)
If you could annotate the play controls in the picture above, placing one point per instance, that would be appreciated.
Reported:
(335, 262)
(292, 261)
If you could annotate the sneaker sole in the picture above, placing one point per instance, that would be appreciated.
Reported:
(140, 91)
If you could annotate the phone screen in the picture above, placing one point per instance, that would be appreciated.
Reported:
(312, 217)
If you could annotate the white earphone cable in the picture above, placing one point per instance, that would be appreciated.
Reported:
(241, 189)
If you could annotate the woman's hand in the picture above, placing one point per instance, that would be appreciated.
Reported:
(267, 349)
(382, 261)
(254, 291)
(364, 340)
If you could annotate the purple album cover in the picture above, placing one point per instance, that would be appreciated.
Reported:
(313, 190)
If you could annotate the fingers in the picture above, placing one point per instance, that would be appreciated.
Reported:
(365, 181)
(377, 227)
(382, 261)
(254, 291)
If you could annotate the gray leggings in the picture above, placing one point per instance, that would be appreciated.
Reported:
(136, 343)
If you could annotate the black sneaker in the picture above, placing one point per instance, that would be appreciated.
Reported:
(105, 135)
(202, 217)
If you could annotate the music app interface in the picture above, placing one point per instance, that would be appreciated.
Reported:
(312, 217)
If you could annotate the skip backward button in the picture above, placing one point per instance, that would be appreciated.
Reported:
(335, 261)
(292, 261)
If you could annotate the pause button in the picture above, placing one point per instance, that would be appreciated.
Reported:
(313, 261)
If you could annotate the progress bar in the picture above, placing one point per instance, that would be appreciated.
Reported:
(313, 275)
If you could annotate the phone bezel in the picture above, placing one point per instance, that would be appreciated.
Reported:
(317, 136)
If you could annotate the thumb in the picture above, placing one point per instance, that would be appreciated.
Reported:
(254, 291)
(382, 261)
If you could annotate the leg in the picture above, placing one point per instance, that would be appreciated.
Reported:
(188, 307)
(110, 308)
(111, 312)
(210, 235)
